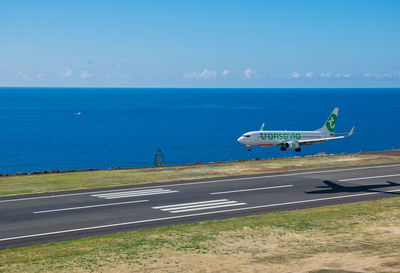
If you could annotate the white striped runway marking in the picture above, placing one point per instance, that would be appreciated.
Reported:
(202, 205)
(127, 194)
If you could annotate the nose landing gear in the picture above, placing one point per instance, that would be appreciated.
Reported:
(283, 148)
(249, 149)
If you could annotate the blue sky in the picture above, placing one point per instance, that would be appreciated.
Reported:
(200, 43)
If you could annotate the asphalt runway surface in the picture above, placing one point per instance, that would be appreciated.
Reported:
(34, 219)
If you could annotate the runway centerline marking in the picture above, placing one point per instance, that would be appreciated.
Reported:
(227, 204)
(254, 189)
(200, 182)
(133, 193)
(186, 216)
(369, 177)
(188, 204)
(92, 206)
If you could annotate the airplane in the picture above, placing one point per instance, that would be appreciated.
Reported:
(294, 139)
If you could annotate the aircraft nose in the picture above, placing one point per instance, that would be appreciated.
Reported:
(240, 139)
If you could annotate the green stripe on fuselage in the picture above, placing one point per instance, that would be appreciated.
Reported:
(280, 136)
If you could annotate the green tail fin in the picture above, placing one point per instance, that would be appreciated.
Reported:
(329, 126)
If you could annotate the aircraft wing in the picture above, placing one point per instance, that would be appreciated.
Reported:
(320, 140)
(317, 140)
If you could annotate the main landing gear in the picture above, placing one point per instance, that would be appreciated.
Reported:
(284, 149)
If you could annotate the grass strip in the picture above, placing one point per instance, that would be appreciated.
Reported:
(32, 184)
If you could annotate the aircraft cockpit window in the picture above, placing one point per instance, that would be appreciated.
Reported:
(246, 135)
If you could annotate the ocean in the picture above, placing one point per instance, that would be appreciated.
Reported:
(79, 128)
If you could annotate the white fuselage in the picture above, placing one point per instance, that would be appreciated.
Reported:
(277, 138)
(293, 139)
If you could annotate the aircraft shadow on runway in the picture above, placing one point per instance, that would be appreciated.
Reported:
(335, 188)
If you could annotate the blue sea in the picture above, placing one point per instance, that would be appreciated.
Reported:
(40, 129)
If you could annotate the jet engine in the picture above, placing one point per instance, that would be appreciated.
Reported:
(292, 144)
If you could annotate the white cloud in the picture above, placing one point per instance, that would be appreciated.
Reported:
(29, 77)
(190, 75)
(347, 75)
(205, 75)
(325, 75)
(64, 73)
(226, 73)
(378, 76)
(294, 75)
(249, 73)
(208, 74)
(85, 74)
(309, 75)
(335, 75)
(386, 76)
(23, 76)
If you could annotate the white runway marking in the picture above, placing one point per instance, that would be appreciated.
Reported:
(186, 216)
(88, 207)
(202, 182)
(127, 194)
(191, 203)
(254, 189)
(202, 205)
(369, 177)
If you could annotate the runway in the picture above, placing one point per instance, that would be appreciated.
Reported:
(29, 220)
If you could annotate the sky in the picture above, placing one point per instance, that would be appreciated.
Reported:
(261, 44)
